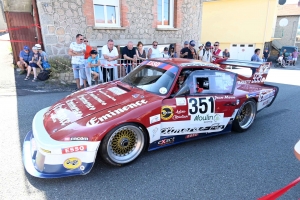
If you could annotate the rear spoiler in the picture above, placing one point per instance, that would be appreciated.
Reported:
(240, 63)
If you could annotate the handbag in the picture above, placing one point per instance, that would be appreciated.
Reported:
(46, 65)
(44, 75)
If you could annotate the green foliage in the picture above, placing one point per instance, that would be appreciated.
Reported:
(59, 65)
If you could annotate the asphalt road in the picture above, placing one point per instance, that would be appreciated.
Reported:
(232, 166)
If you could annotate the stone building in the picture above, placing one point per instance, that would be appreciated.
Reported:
(287, 29)
(166, 21)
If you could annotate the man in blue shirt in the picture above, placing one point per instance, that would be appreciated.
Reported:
(255, 58)
(25, 56)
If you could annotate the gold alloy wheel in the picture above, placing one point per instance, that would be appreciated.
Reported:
(125, 144)
(246, 115)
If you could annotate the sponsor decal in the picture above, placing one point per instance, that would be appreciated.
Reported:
(74, 149)
(182, 131)
(46, 151)
(154, 64)
(76, 139)
(243, 82)
(117, 91)
(86, 102)
(98, 99)
(176, 117)
(209, 118)
(104, 93)
(60, 115)
(72, 163)
(179, 112)
(191, 135)
(250, 95)
(81, 167)
(201, 105)
(265, 94)
(180, 101)
(111, 114)
(163, 90)
(225, 97)
(155, 118)
(258, 78)
(74, 108)
(166, 112)
(166, 141)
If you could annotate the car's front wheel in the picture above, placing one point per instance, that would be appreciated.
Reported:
(245, 116)
(123, 144)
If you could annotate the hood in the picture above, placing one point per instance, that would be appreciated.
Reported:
(86, 102)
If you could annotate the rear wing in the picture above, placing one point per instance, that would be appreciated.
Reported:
(260, 70)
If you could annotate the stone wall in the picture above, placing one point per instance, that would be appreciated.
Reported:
(61, 20)
(287, 33)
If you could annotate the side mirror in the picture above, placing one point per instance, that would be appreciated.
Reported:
(185, 90)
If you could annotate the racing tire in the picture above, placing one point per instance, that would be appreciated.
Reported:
(245, 116)
(123, 144)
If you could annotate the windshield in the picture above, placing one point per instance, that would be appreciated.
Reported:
(152, 79)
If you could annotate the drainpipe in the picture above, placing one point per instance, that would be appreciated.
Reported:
(266, 23)
(37, 21)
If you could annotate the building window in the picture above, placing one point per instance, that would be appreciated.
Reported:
(165, 13)
(107, 13)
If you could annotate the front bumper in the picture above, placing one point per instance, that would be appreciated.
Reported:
(44, 157)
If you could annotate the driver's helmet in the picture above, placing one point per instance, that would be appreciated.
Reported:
(185, 74)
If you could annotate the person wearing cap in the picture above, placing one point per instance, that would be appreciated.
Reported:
(266, 55)
(189, 52)
(165, 53)
(44, 57)
(179, 83)
(186, 44)
(206, 55)
(172, 52)
(25, 56)
(33, 64)
(93, 63)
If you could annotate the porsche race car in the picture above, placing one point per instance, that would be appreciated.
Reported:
(120, 119)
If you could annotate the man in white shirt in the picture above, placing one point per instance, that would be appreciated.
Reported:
(206, 55)
(76, 51)
(110, 55)
(154, 51)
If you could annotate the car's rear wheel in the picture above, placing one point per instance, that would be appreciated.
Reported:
(245, 116)
(123, 144)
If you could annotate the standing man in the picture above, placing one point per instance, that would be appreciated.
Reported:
(217, 53)
(110, 54)
(76, 51)
(189, 52)
(206, 55)
(255, 58)
(86, 56)
(295, 55)
(25, 56)
(266, 55)
(129, 54)
(154, 51)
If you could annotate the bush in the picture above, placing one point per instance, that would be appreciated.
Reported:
(59, 65)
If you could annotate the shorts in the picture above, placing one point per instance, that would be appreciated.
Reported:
(76, 69)
(33, 65)
(294, 59)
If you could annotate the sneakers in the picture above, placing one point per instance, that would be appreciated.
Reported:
(34, 80)
(22, 72)
(27, 78)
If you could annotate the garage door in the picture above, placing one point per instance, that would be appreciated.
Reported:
(241, 51)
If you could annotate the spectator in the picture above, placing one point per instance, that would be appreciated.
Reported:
(266, 55)
(289, 60)
(154, 51)
(189, 52)
(200, 51)
(217, 52)
(226, 54)
(86, 56)
(44, 57)
(111, 55)
(172, 52)
(285, 55)
(25, 56)
(76, 51)
(93, 63)
(186, 44)
(129, 54)
(295, 55)
(255, 58)
(165, 53)
(33, 64)
(207, 54)
(140, 52)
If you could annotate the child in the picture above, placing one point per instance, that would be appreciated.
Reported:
(93, 63)
(33, 64)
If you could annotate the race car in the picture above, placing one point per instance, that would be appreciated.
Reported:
(142, 111)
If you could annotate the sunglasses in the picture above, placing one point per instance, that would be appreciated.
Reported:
(216, 45)
(86, 41)
(81, 39)
(155, 45)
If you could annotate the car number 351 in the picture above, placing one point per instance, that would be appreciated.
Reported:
(201, 105)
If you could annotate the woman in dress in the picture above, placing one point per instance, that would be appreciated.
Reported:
(140, 52)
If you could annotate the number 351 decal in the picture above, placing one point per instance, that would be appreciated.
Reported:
(202, 105)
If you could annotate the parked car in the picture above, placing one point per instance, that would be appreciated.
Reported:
(146, 110)
(289, 49)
